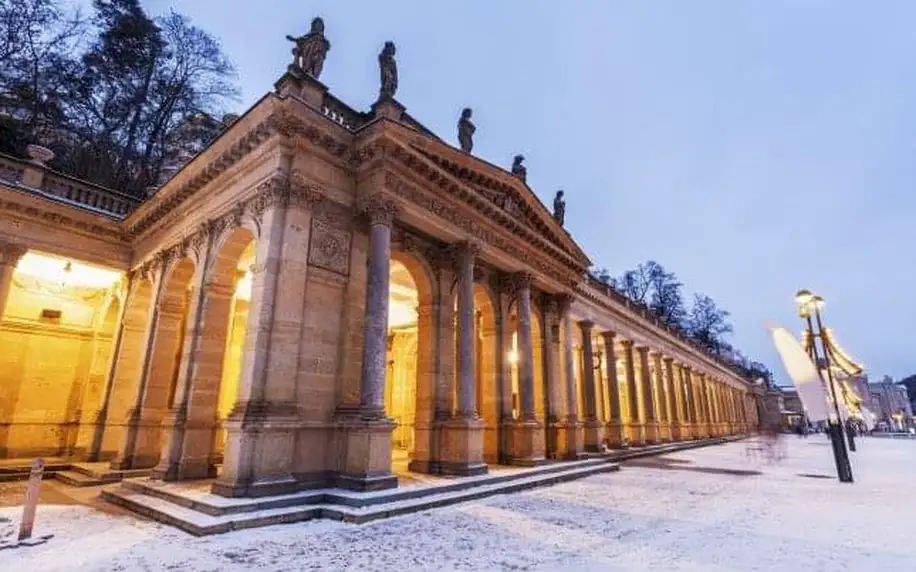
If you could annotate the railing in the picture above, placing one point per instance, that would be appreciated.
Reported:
(89, 195)
(341, 114)
(38, 179)
(642, 310)
(10, 169)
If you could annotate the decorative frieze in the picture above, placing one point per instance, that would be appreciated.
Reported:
(477, 231)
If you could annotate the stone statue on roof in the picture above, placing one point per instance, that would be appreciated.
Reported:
(518, 169)
(559, 208)
(311, 49)
(388, 69)
(466, 130)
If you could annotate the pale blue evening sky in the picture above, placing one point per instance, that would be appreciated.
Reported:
(751, 147)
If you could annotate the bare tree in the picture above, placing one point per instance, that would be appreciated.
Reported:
(707, 324)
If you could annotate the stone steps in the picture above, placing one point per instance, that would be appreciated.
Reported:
(77, 479)
(201, 513)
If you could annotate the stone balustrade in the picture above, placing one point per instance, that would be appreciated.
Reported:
(35, 177)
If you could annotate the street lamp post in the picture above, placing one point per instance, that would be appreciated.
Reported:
(808, 304)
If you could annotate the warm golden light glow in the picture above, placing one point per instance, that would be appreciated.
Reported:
(243, 287)
(401, 315)
(64, 273)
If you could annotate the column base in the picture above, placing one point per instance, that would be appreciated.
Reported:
(554, 445)
(186, 450)
(637, 434)
(664, 432)
(594, 435)
(525, 443)
(260, 438)
(366, 463)
(652, 434)
(617, 435)
(140, 447)
(462, 447)
(679, 432)
(570, 441)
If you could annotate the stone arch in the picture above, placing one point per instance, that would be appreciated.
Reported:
(193, 446)
(487, 362)
(141, 446)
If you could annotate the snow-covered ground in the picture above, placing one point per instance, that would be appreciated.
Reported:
(710, 509)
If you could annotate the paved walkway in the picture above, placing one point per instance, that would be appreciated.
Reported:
(710, 509)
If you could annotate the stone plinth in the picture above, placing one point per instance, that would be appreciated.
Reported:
(652, 433)
(186, 449)
(664, 432)
(679, 431)
(524, 443)
(637, 434)
(259, 442)
(462, 447)
(570, 440)
(594, 435)
(367, 462)
(617, 435)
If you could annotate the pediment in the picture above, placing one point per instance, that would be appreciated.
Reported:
(504, 190)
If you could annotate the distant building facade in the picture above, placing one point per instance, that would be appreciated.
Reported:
(890, 402)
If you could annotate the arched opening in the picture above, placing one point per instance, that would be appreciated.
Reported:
(410, 361)
(156, 395)
(239, 258)
(537, 362)
(487, 338)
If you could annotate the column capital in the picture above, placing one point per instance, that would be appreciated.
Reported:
(522, 280)
(586, 325)
(380, 210)
(564, 302)
(627, 344)
(463, 250)
(608, 336)
(668, 359)
(11, 253)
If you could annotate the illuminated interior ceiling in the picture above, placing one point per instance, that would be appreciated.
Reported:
(65, 272)
(402, 298)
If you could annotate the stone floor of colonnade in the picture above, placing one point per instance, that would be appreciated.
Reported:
(713, 508)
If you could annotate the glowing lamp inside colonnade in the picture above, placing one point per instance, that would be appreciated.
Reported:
(64, 272)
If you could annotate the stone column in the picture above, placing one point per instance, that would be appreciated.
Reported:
(705, 405)
(10, 254)
(462, 448)
(690, 396)
(556, 423)
(616, 429)
(671, 395)
(594, 429)
(525, 348)
(526, 441)
(368, 459)
(637, 430)
(575, 440)
(648, 397)
(664, 429)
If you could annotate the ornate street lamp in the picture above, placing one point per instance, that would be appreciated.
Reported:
(809, 304)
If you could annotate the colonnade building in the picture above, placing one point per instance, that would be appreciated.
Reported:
(326, 297)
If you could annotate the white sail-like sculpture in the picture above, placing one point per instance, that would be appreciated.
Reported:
(803, 373)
